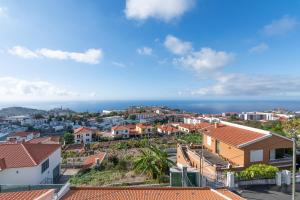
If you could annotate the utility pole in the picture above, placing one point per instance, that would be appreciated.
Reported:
(294, 169)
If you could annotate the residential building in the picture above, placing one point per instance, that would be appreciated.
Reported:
(235, 147)
(257, 116)
(83, 135)
(29, 164)
(186, 128)
(144, 129)
(23, 136)
(120, 131)
(45, 140)
(167, 129)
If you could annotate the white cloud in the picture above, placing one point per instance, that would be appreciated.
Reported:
(165, 10)
(22, 52)
(206, 59)
(144, 51)
(3, 12)
(91, 56)
(13, 88)
(252, 85)
(260, 48)
(280, 26)
(176, 45)
(119, 64)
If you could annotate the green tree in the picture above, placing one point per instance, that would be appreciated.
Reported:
(292, 127)
(153, 161)
(132, 117)
(68, 138)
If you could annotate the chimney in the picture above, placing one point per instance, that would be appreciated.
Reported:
(216, 124)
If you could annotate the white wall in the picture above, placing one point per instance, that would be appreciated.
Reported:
(83, 138)
(30, 175)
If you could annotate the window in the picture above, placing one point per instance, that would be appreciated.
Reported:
(45, 165)
(256, 155)
(87, 135)
(209, 140)
(217, 146)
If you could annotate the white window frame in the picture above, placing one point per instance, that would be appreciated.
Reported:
(256, 155)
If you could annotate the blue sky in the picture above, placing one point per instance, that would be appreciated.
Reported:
(149, 49)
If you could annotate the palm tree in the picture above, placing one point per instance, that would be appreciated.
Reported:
(153, 161)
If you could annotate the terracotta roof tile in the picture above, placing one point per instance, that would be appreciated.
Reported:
(229, 194)
(82, 130)
(24, 195)
(25, 154)
(142, 193)
(91, 160)
(232, 135)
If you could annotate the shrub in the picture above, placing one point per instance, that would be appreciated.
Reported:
(258, 171)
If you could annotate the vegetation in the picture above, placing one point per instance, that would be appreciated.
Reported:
(95, 177)
(258, 171)
(153, 162)
(273, 126)
(112, 169)
(68, 138)
(128, 144)
(195, 138)
(292, 127)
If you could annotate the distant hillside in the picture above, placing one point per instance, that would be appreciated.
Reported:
(13, 111)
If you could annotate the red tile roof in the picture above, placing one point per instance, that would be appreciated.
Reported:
(82, 130)
(45, 140)
(235, 135)
(82, 193)
(168, 129)
(25, 195)
(91, 160)
(24, 154)
(120, 127)
(140, 125)
(228, 193)
(75, 147)
(23, 134)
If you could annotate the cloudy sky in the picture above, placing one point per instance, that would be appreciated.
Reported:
(149, 49)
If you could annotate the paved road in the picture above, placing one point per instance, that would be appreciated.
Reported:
(269, 192)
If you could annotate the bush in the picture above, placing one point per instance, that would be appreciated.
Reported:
(258, 171)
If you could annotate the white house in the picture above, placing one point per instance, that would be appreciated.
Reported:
(121, 131)
(23, 136)
(29, 164)
(83, 135)
(257, 116)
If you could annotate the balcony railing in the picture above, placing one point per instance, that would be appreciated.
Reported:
(279, 160)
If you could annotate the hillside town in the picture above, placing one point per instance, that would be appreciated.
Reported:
(64, 154)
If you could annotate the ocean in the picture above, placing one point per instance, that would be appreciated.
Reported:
(207, 106)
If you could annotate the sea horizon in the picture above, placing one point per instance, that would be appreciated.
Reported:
(197, 106)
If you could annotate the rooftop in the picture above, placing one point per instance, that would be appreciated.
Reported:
(236, 135)
(77, 193)
(25, 195)
(24, 154)
(82, 130)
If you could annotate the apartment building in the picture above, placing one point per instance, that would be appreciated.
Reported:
(167, 129)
